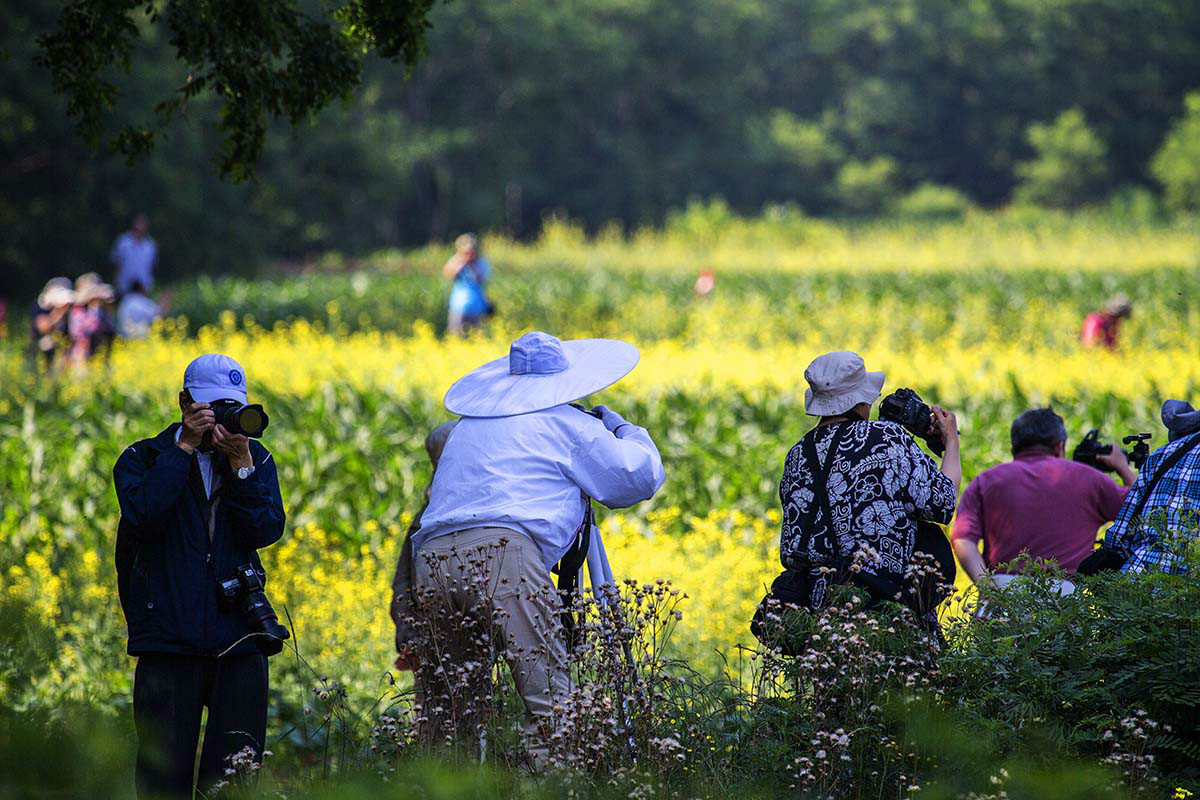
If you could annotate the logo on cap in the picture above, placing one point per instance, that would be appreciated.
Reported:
(235, 377)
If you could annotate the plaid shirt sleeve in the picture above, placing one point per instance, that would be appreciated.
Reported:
(1174, 500)
(1122, 535)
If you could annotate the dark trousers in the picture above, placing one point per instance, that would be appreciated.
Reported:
(170, 693)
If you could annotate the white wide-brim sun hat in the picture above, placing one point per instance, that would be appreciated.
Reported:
(839, 381)
(541, 372)
(58, 292)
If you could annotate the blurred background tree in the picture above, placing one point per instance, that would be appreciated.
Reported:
(1071, 165)
(260, 61)
(597, 110)
(1177, 164)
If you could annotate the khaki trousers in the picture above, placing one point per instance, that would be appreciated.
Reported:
(471, 572)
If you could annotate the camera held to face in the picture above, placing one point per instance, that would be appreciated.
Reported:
(247, 420)
(244, 593)
(905, 407)
(1089, 450)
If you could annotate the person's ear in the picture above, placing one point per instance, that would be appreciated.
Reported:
(1060, 449)
(184, 401)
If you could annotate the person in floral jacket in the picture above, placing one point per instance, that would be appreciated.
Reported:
(882, 500)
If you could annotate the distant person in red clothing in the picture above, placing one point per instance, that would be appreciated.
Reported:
(1040, 504)
(1101, 327)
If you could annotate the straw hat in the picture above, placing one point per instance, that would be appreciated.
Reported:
(541, 372)
(467, 241)
(839, 381)
(1118, 306)
(57, 292)
(96, 291)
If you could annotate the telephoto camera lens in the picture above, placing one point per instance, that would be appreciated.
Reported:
(244, 592)
(248, 420)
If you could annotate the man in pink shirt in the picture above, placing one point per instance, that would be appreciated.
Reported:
(1040, 503)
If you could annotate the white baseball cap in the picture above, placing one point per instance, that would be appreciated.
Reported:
(215, 377)
(838, 382)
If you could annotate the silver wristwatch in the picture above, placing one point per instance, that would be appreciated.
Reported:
(245, 472)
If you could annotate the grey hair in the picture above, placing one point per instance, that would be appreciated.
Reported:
(1038, 427)
(435, 442)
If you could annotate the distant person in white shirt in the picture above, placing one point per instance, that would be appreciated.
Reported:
(136, 313)
(134, 254)
(510, 499)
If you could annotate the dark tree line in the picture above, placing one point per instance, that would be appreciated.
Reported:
(600, 110)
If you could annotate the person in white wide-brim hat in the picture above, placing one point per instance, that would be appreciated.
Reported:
(49, 319)
(513, 487)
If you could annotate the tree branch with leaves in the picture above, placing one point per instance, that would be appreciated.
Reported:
(262, 59)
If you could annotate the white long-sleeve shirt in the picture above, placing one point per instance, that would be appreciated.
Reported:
(525, 473)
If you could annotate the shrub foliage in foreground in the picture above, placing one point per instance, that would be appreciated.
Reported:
(1092, 672)
(1089, 695)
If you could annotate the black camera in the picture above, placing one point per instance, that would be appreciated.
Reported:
(244, 593)
(905, 407)
(1089, 450)
(248, 420)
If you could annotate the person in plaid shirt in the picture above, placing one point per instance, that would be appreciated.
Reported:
(1170, 517)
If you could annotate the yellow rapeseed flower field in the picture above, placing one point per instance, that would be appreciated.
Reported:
(298, 359)
(721, 393)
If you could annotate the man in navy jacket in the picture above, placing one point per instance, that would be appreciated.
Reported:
(196, 502)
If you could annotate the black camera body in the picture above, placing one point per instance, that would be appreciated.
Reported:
(1089, 450)
(248, 420)
(905, 407)
(245, 593)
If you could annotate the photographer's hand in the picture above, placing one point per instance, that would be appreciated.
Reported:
(198, 420)
(951, 465)
(1116, 460)
(453, 266)
(611, 419)
(235, 447)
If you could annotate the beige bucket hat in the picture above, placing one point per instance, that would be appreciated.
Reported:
(839, 381)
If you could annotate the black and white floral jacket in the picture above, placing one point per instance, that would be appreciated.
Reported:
(880, 485)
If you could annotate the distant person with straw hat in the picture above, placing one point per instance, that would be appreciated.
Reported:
(1100, 328)
(90, 325)
(48, 319)
(512, 496)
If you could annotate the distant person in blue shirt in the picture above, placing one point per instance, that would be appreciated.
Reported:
(470, 271)
(134, 254)
(137, 313)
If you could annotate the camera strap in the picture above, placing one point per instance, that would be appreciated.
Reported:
(821, 477)
(569, 568)
(799, 585)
